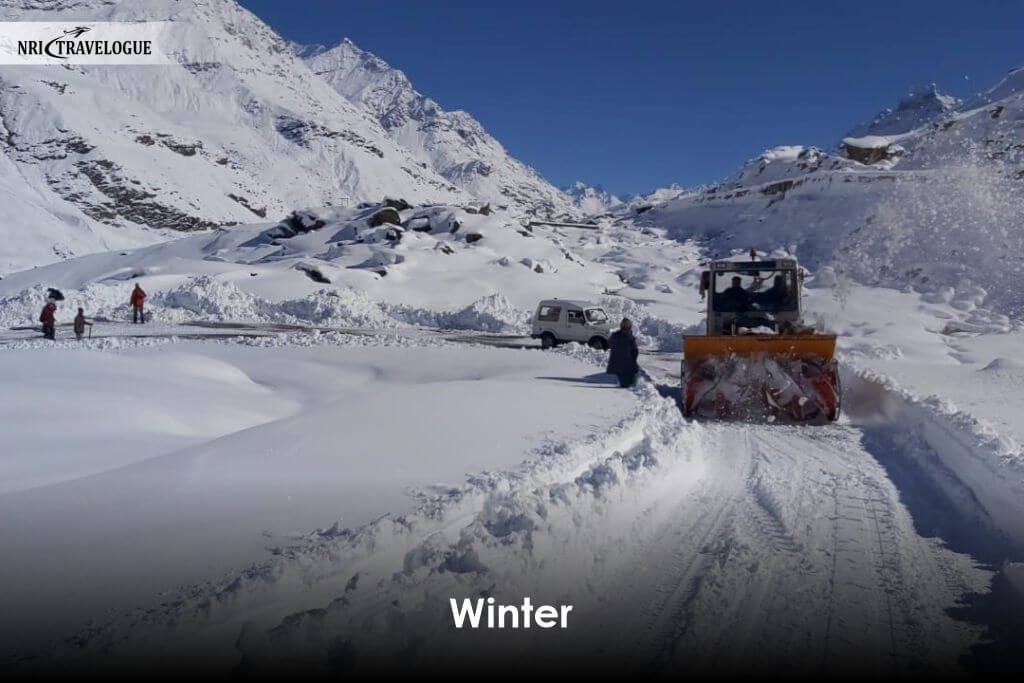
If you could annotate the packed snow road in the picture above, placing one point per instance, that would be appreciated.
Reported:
(793, 553)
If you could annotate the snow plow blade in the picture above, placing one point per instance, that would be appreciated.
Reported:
(792, 377)
(821, 345)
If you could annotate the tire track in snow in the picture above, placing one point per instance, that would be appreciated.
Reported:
(791, 587)
(693, 541)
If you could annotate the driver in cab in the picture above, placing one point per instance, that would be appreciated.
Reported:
(735, 298)
(776, 297)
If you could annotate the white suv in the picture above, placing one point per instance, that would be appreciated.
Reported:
(560, 320)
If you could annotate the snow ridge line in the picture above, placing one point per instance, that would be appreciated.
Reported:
(989, 465)
(489, 534)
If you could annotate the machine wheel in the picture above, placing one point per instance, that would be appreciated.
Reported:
(684, 390)
(839, 399)
(547, 341)
(599, 343)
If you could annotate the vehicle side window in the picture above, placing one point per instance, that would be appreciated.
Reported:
(575, 317)
(549, 314)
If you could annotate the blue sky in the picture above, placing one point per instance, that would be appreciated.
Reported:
(640, 94)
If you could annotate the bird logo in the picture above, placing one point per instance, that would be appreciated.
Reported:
(76, 31)
(69, 34)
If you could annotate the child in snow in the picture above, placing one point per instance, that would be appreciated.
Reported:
(48, 319)
(80, 323)
(138, 299)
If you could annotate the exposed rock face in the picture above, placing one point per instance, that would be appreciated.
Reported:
(238, 128)
(122, 199)
(297, 223)
(397, 204)
(387, 214)
(871, 149)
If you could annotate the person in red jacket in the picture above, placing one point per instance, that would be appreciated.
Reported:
(49, 321)
(138, 299)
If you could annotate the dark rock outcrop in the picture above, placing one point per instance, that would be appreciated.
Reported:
(386, 214)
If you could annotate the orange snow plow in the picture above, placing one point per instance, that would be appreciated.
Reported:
(757, 359)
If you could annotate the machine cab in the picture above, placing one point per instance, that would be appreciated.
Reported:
(752, 296)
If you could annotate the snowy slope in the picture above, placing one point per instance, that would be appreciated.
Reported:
(451, 142)
(238, 129)
(433, 256)
(439, 266)
(938, 208)
(244, 448)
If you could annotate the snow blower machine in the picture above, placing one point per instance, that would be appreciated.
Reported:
(757, 359)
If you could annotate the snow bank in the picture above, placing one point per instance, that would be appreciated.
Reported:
(337, 308)
(23, 308)
(492, 313)
(210, 299)
(205, 298)
(306, 448)
(989, 464)
(526, 531)
(651, 331)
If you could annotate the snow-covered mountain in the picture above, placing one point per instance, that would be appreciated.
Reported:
(917, 108)
(591, 199)
(101, 157)
(451, 142)
(928, 195)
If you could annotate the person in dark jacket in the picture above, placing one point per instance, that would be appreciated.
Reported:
(624, 352)
(138, 301)
(80, 323)
(735, 299)
(49, 320)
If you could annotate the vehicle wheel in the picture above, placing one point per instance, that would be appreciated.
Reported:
(839, 399)
(547, 341)
(599, 343)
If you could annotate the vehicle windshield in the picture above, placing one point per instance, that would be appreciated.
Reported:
(596, 315)
(767, 291)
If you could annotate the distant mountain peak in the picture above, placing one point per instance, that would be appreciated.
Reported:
(922, 105)
(452, 143)
(591, 199)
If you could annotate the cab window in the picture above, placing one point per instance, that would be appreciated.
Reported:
(767, 290)
(575, 317)
(596, 316)
(549, 314)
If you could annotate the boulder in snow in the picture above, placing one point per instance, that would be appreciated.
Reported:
(387, 214)
(418, 224)
(397, 204)
(871, 149)
(314, 273)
